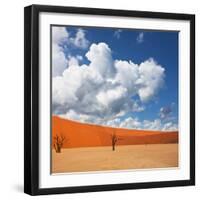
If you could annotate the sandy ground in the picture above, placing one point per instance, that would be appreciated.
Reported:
(124, 157)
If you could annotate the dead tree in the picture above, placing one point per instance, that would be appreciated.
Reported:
(114, 140)
(58, 143)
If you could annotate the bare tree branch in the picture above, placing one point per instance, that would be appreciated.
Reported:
(58, 143)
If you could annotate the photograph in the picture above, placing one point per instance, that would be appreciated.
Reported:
(109, 99)
(114, 99)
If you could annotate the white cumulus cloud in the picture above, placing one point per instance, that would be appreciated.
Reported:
(151, 79)
(62, 39)
(110, 96)
(132, 123)
(135, 123)
(104, 90)
(80, 40)
(59, 61)
(100, 59)
(170, 126)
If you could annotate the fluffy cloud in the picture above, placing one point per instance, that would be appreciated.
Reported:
(151, 79)
(110, 96)
(117, 33)
(152, 125)
(101, 60)
(80, 40)
(131, 123)
(104, 90)
(127, 75)
(170, 126)
(59, 61)
(61, 41)
(157, 124)
(59, 34)
(166, 111)
(71, 114)
(140, 37)
(134, 123)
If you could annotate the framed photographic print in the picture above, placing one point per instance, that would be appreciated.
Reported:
(109, 100)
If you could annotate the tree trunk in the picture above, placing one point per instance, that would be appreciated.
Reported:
(113, 147)
(59, 149)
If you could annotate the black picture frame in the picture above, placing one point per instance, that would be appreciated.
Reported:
(31, 99)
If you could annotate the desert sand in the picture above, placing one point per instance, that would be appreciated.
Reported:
(87, 159)
(87, 135)
(87, 147)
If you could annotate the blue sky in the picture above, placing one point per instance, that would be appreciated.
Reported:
(145, 107)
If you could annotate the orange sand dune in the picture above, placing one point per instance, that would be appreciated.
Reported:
(88, 135)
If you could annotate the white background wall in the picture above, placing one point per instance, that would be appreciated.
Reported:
(11, 98)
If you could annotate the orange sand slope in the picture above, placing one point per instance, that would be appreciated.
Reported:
(87, 135)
